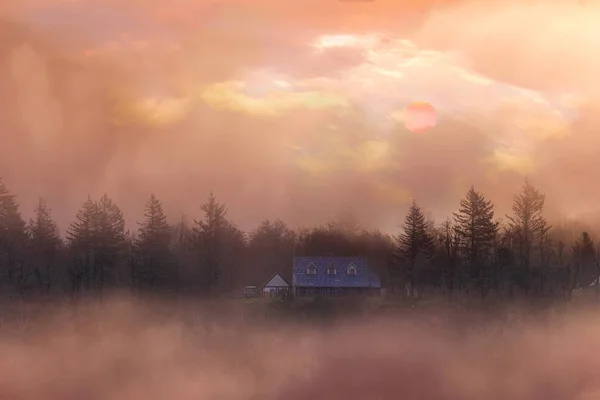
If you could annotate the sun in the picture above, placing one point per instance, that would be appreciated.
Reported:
(419, 117)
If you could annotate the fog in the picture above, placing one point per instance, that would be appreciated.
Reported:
(134, 350)
(118, 97)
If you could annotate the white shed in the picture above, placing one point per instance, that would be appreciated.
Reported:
(276, 286)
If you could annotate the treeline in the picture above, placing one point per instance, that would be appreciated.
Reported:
(477, 254)
(472, 253)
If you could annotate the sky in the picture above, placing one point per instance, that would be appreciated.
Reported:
(293, 110)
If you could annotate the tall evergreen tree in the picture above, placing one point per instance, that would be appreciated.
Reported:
(449, 242)
(587, 260)
(209, 235)
(527, 224)
(181, 234)
(234, 250)
(182, 247)
(13, 238)
(110, 242)
(82, 236)
(477, 230)
(583, 270)
(44, 246)
(414, 246)
(156, 264)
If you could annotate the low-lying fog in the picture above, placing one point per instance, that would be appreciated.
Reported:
(129, 350)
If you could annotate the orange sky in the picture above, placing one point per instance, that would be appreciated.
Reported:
(290, 109)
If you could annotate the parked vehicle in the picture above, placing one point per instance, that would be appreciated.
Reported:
(250, 291)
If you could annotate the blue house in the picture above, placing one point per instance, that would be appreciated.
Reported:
(334, 276)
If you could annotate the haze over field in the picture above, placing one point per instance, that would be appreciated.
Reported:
(290, 109)
(124, 351)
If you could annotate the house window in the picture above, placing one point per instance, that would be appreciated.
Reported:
(331, 270)
(351, 270)
(311, 269)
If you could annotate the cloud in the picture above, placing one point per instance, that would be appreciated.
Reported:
(501, 41)
(230, 96)
(285, 111)
(504, 160)
(155, 112)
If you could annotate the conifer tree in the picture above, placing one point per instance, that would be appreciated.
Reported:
(181, 234)
(13, 237)
(587, 260)
(182, 247)
(527, 225)
(209, 236)
(414, 245)
(110, 241)
(155, 267)
(449, 242)
(232, 255)
(44, 246)
(82, 237)
(476, 229)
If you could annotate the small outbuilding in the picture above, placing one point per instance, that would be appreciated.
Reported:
(276, 286)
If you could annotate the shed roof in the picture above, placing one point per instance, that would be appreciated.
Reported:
(276, 281)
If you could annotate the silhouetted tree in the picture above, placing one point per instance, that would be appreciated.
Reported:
(13, 238)
(183, 249)
(209, 237)
(233, 256)
(82, 236)
(503, 264)
(271, 248)
(181, 234)
(572, 273)
(414, 247)
(476, 229)
(587, 260)
(44, 246)
(529, 229)
(448, 261)
(110, 243)
(378, 248)
(155, 266)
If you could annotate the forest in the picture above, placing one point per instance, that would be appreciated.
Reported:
(474, 253)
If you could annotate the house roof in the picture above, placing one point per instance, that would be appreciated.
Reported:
(364, 277)
(276, 281)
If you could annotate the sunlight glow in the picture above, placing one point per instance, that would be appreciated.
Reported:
(332, 41)
(230, 95)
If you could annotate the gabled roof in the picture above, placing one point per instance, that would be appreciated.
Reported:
(364, 277)
(276, 281)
